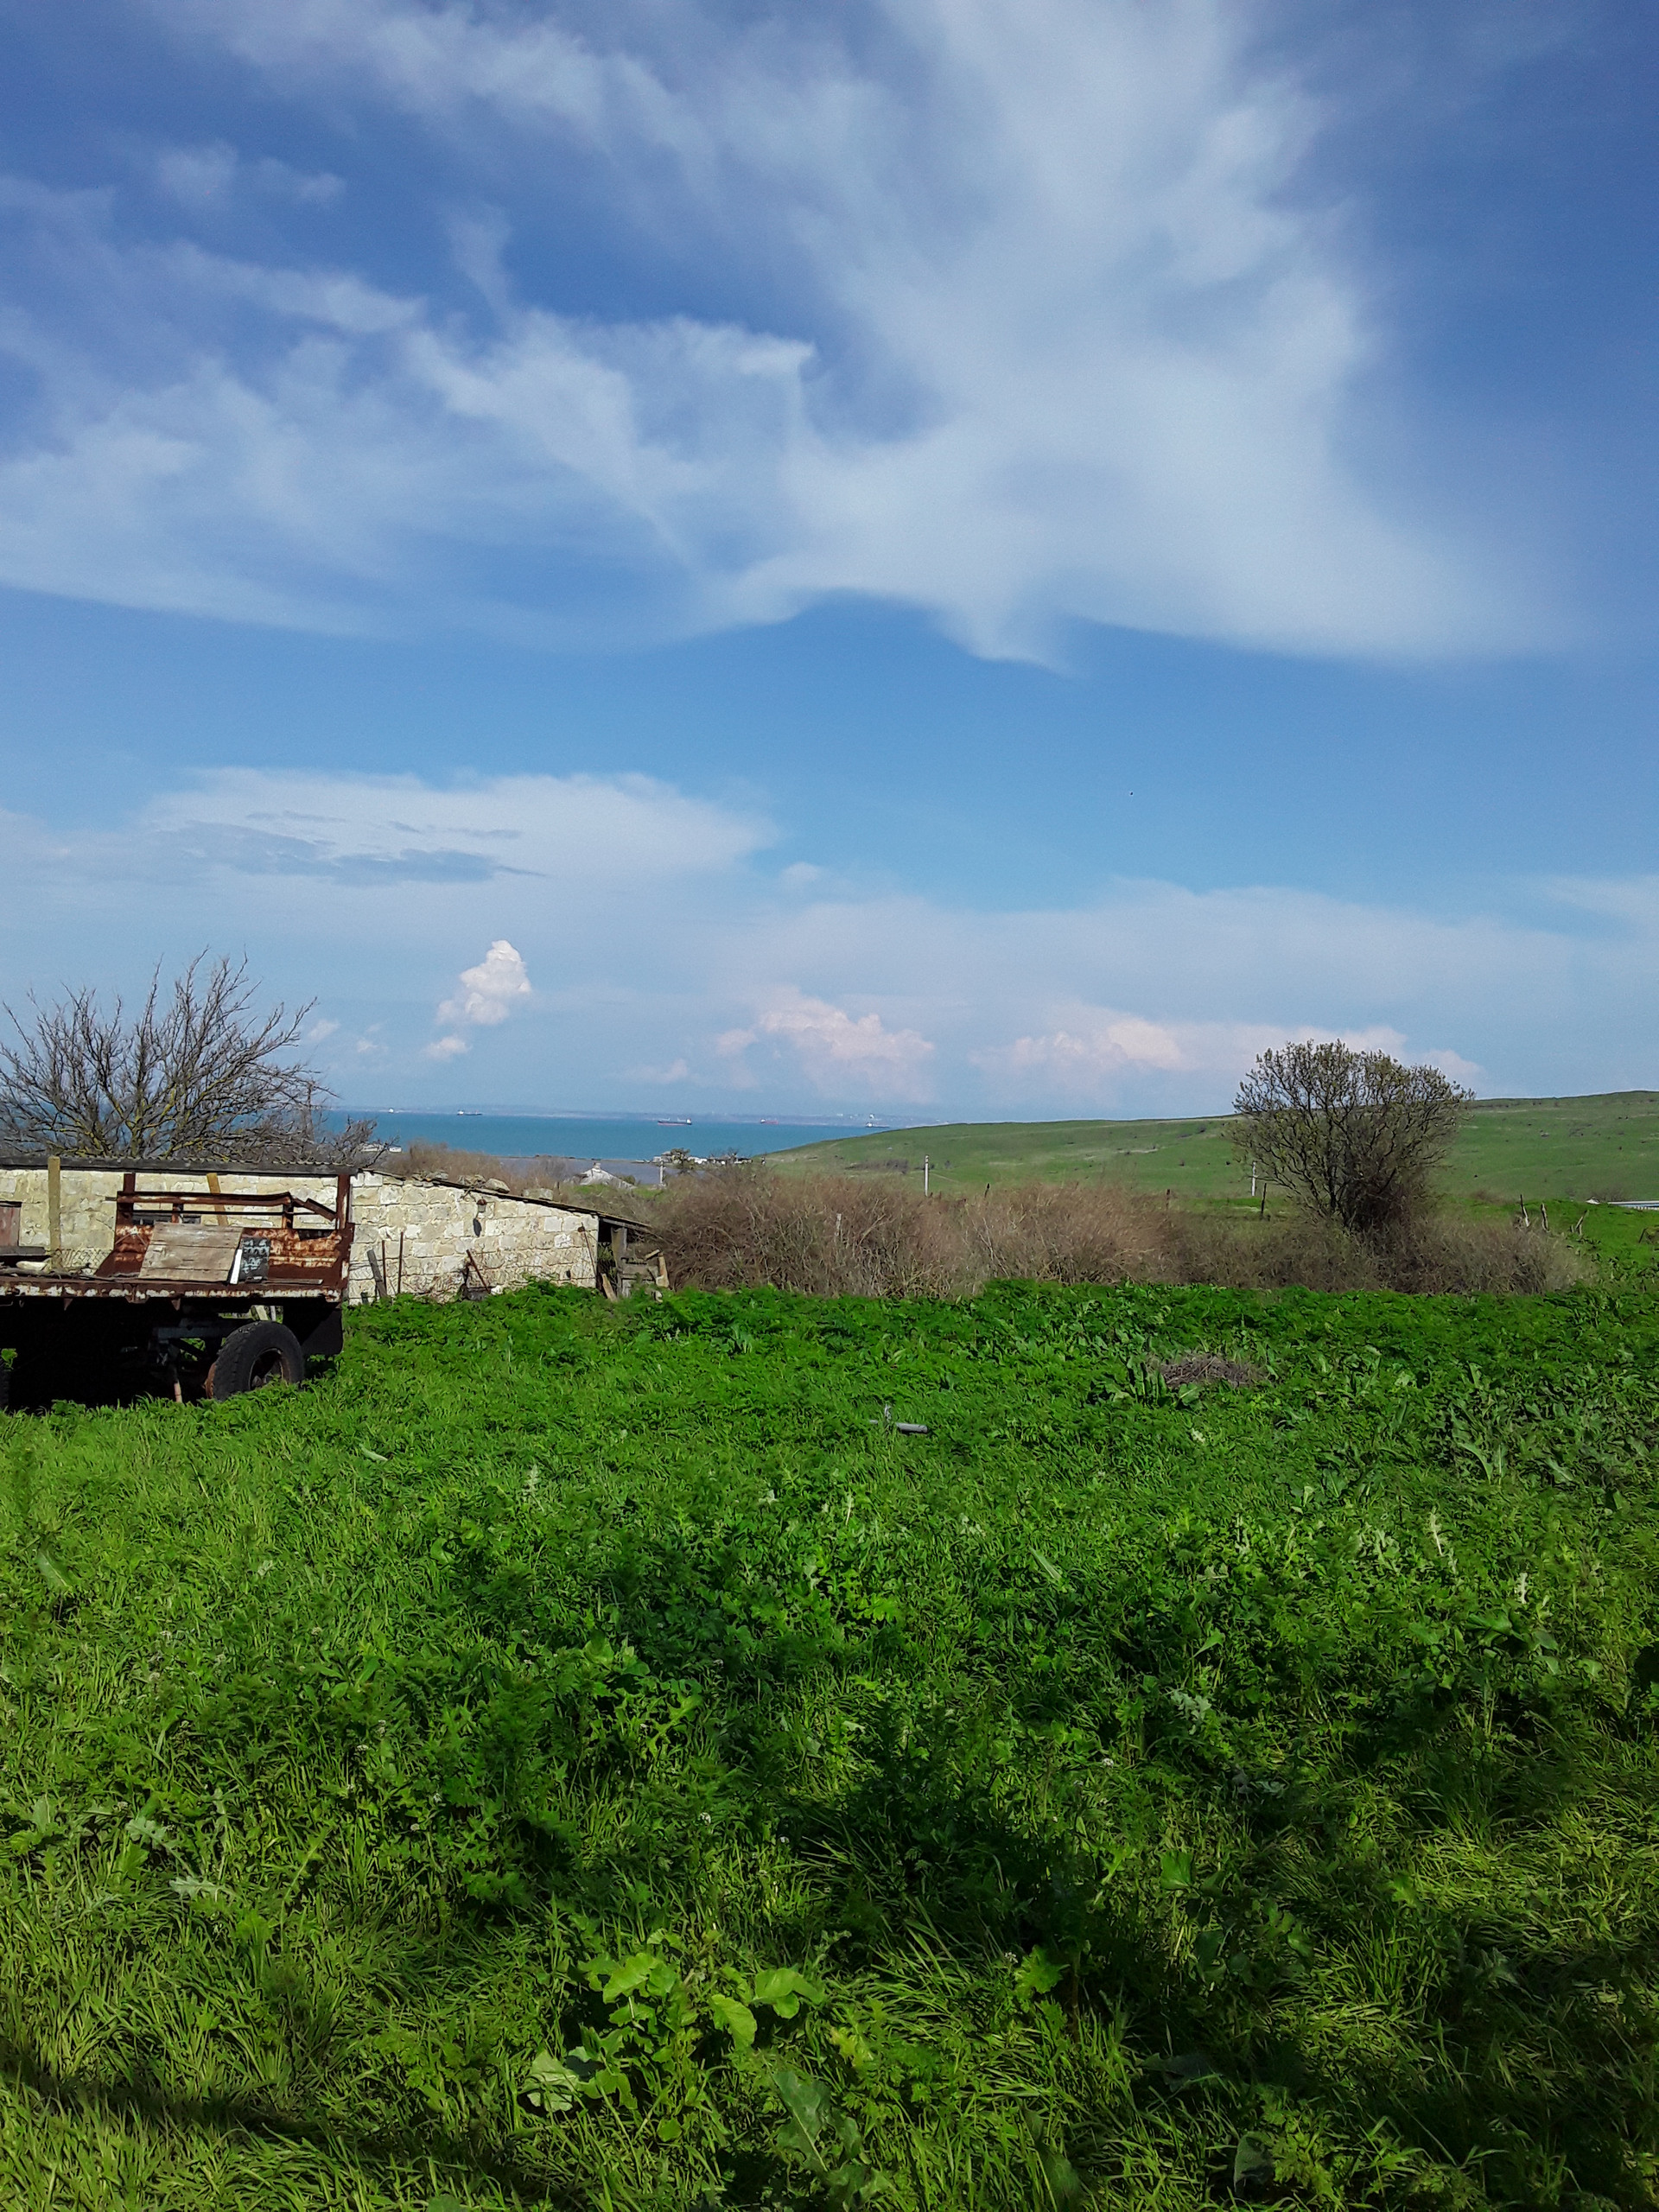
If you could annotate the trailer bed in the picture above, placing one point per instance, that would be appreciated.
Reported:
(187, 1272)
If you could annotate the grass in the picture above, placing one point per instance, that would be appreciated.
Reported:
(1557, 1148)
(591, 1757)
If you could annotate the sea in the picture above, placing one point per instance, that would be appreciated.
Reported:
(606, 1138)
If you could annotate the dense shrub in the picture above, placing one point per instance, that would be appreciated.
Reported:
(864, 1236)
(858, 1237)
(1434, 1252)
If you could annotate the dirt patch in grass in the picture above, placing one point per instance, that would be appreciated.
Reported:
(1209, 1367)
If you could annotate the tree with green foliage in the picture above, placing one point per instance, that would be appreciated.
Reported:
(1353, 1136)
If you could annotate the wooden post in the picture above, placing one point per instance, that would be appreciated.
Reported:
(53, 1210)
(219, 1214)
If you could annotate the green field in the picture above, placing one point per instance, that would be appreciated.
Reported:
(1557, 1148)
(588, 1756)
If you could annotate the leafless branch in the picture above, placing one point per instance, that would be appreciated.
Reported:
(196, 1072)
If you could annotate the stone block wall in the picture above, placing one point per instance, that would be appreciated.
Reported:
(513, 1240)
(86, 1209)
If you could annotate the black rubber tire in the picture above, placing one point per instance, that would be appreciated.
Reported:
(255, 1355)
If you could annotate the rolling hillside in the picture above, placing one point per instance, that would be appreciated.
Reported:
(1595, 1147)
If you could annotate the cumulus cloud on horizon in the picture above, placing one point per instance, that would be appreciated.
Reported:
(712, 982)
(840, 1053)
(1059, 343)
(488, 994)
(1103, 1046)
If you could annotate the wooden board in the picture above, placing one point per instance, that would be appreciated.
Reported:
(189, 1252)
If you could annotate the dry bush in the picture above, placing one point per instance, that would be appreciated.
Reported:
(1057, 1232)
(1434, 1252)
(859, 1237)
(1441, 1253)
(831, 1236)
(842, 1236)
(853, 1236)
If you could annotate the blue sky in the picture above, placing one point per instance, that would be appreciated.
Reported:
(931, 555)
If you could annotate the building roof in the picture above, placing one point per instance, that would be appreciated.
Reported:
(483, 1189)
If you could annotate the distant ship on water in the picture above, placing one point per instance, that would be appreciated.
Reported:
(676, 1122)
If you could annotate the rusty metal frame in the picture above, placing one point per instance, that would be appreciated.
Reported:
(328, 1281)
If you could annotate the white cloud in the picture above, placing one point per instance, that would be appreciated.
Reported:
(1089, 1062)
(206, 178)
(367, 829)
(1148, 996)
(842, 1055)
(1058, 342)
(198, 176)
(489, 991)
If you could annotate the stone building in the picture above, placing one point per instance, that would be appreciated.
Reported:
(432, 1238)
(440, 1239)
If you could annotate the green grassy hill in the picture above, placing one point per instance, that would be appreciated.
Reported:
(1596, 1147)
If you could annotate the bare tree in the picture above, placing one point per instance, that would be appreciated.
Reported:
(196, 1072)
(1352, 1135)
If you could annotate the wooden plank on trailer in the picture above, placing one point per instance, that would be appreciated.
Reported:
(189, 1252)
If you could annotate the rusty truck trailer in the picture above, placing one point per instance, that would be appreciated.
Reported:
(215, 1292)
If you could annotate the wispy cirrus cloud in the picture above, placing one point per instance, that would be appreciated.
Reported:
(365, 829)
(1058, 342)
(208, 176)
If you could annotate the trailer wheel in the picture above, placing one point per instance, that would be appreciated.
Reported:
(259, 1353)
